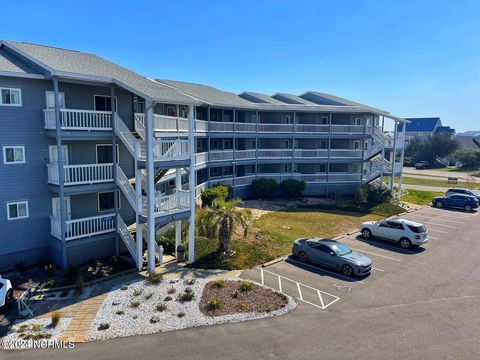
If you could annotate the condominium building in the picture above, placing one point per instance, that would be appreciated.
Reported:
(97, 158)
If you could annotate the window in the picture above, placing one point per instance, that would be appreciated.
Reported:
(17, 210)
(104, 154)
(417, 229)
(358, 121)
(324, 120)
(11, 97)
(366, 145)
(395, 225)
(199, 145)
(384, 225)
(341, 249)
(14, 154)
(50, 99)
(171, 111)
(287, 119)
(323, 144)
(104, 103)
(106, 201)
(215, 144)
(227, 144)
(215, 117)
(356, 144)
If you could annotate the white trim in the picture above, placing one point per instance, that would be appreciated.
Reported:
(11, 88)
(96, 152)
(17, 203)
(21, 75)
(108, 210)
(13, 147)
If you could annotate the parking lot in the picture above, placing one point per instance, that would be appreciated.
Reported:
(437, 270)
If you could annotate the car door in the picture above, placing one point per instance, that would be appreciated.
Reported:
(313, 252)
(326, 256)
(455, 201)
(381, 229)
(395, 232)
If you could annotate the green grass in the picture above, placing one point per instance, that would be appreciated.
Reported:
(272, 235)
(439, 183)
(420, 197)
(459, 170)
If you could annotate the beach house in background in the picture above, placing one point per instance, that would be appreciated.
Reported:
(98, 158)
(421, 128)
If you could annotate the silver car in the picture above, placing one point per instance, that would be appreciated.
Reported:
(332, 254)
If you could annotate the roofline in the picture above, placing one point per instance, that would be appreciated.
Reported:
(77, 76)
(22, 75)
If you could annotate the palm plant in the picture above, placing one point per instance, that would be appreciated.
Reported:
(220, 220)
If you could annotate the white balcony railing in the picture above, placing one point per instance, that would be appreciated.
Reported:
(244, 154)
(312, 178)
(81, 174)
(312, 128)
(345, 177)
(221, 126)
(274, 153)
(72, 119)
(307, 153)
(348, 129)
(166, 204)
(83, 227)
(275, 128)
(246, 127)
(220, 155)
(201, 158)
(345, 153)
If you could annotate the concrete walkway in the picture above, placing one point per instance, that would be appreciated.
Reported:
(441, 174)
(425, 188)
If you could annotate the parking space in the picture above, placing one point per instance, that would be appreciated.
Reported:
(394, 273)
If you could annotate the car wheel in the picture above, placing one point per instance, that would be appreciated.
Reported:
(405, 243)
(366, 233)
(468, 207)
(439, 204)
(303, 257)
(8, 298)
(347, 270)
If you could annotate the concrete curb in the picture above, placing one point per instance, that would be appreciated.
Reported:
(274, 261)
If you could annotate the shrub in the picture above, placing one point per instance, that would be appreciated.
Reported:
(79, 285)
(49, 269)
(135, 304)
(292, 189)
(246, 286)
(22, 328)
(282, 296)
(243, 306)
(214, 304)
(368, 195)
(181, 314)
(154, 278)
(187, 295)
(215, 193)
(120, 312)
(137, 292)
(190, 281)
(264, 189)
(219, 283)
(55, 318)
(148, 296)
(468, 157)
(161, 307)
(36, 327)
(50, 283)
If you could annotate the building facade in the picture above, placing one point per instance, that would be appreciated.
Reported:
(97, 158)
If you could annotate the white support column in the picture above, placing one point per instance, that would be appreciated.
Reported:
(138, 225)
(191, 184)
(178, 224)
(392, 157)
(402, 155)
(150, 189)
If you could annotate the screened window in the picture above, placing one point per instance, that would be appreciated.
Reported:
(17, 210)
(106, 201)
(13, 154)
(11, 97)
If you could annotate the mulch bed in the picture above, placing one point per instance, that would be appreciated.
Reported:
(234, 301)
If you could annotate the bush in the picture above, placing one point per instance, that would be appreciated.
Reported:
(264, 189)
(148, 296)
(137, 292)
(292, 189)
(243, 306)
(50, 283)
(188, 295)
(120, 312)
(216, 192)
(368, 195)
(49, 269)
(246, 286)
(469, 158)
(55, 318)
(135, 304)
(161, 307)
(214, 304)
(219, 283)
(154, 278)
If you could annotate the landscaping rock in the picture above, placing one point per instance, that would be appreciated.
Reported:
(173, 281)
(124, 287)
(168, 298)
(135, 316)
(154, 319)
(115, 303)
(104, 326)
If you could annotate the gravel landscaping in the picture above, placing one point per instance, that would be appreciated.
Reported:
(28, 331)
(144, 308)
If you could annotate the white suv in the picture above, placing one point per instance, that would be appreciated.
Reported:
(6, 292)
(403, 232)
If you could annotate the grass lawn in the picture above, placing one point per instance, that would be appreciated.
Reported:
(420, 197)
(467, 170)
(440, 183)
(272, 235)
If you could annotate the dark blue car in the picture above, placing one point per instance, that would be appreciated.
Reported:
(460, 201)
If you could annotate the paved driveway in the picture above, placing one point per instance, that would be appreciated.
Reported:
(415, 305)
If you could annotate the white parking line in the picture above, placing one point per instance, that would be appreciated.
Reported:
(439, 231)
(436, 224)
(326, 271)
(371, 253)
(433, 237)
(437, 218)
(374, 268)
(322, 295)
(450, 214)
(376, 243)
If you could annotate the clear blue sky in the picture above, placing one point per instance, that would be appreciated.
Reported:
(412, 58)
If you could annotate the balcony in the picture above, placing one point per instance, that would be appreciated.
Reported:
(245, 154)
(83, 227)
(169, 204)
(71, 119)
(347, 129)
(312, 128)
(81, 174)
(307, 153)
(274, 153)
(275, 128)
(346, 153)
(201, 158)
(246, 127)
(221, 155)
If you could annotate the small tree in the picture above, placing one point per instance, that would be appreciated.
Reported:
(220, 221)
(216, 192)
(264, 189)
(292, 189)
(469, 158)
(429, 149)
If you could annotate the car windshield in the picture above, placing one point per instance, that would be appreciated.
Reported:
(341, 249)
(418, 229)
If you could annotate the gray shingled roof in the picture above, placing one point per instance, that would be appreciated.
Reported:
(76, 64)
(208, 93)
(291, 99)
(10, 63)
(260, 98)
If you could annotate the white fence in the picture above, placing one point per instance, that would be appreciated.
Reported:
(71, 119)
